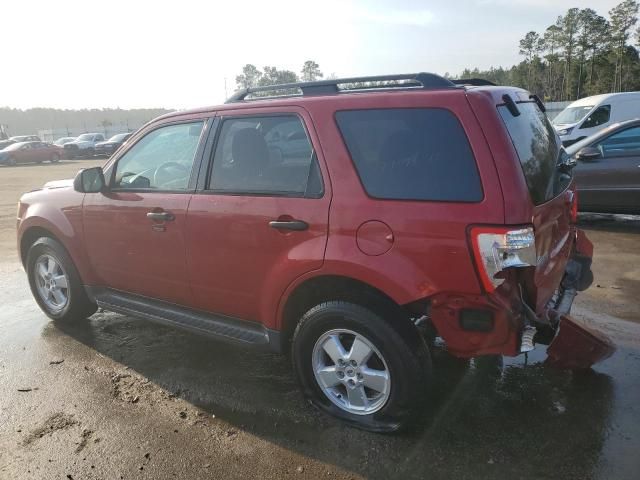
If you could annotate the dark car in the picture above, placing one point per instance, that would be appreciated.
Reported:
(30, 152)
(111, 145)
(340, 225)
(608, 169)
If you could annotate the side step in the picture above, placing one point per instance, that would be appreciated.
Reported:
(221, 327)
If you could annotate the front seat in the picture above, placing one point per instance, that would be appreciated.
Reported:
(250, 157)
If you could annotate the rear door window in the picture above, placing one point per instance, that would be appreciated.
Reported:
(538, 148)
(411, 154)
(265, 155)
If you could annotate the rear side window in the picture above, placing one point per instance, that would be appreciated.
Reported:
(538, 149)
(265, 156)
(411, 154)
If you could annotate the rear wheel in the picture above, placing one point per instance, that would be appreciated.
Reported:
(55, 282)
(353, 364)
(55, 158)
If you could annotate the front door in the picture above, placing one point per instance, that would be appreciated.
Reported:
(134, 232)
(261, 220)
(611, 182)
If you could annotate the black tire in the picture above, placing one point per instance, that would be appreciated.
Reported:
(78, 306)
(55, 158)
(405, 353)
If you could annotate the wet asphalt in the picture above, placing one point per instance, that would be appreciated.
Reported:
(116, 397)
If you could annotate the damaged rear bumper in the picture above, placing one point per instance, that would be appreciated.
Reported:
(503, 323)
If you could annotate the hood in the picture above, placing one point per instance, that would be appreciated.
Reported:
(59, 184)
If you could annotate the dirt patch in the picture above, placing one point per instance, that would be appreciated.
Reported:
(56, 422)
(84, 439)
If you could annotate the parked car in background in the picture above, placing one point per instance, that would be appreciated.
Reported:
(109, 146)
(608, 169)
(25, 138)
(64, 140)
(30, 152)
(589, 115)
(374, 217)
(5, 143)
(83, 146)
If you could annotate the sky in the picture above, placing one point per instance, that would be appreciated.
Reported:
(182, 54)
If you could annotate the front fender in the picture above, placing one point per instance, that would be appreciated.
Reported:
(59, 212)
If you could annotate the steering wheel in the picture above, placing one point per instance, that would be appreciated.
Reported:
(164, 167)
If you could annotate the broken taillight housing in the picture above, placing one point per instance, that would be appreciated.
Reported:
(497, 248)
(574, 206)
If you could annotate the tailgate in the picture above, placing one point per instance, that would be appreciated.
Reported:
(555, 237)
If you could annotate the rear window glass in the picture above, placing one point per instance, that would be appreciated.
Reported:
(538, 149)
(411, 154)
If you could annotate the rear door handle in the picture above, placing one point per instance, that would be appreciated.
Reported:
(161, 216)
(297, 225)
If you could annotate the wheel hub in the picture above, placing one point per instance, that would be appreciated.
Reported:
(351, 372)
(52, 283)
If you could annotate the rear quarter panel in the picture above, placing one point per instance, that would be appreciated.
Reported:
(430, 252)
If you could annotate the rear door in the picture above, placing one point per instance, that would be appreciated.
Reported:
(539, 149)
(612, 181)
(260, 218)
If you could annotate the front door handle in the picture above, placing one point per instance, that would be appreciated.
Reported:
(297, 225)
(161, 216)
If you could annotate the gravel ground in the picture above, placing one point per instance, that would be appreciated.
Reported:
(115, 397)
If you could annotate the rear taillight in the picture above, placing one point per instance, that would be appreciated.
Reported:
(496, 249)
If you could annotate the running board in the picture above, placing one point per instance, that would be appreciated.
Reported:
(221, 327)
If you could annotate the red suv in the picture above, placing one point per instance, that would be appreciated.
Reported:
(335, 220)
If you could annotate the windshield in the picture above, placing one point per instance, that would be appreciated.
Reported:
(62, 141)
(86, 136)
(572, 115)
(539, 151)
(118, 138)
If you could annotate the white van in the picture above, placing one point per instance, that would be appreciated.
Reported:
(589, 115)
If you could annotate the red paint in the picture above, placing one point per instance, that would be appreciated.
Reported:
(220, 254)
(374, 238)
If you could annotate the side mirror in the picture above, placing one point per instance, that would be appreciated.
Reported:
(589, 153)
(89, 180)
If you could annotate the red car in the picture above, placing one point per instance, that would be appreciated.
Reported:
(30, 152)
(419, 206)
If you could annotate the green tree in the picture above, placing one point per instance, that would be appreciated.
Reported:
(551, 44)
(623, 18)
(273, 76)
(530, 46)
(568, 24)
(250, 77)
(310, 71)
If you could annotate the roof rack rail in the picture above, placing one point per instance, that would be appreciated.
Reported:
(474, 82)
(330, 87)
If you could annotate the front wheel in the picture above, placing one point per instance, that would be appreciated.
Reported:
(55, 282)
(352, 363)
(55, 158)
